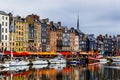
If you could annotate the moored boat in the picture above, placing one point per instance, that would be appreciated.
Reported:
(76, 61)
(40, 66)
(115, 59)
(103, 60)
(39, 61)
(15, 63)
(57, 60)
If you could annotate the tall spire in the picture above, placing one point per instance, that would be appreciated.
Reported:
(78, 21)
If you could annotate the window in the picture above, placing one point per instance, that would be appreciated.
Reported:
(2, 29)
(2, 37)
(5, 30)
(16, 44)
(6, 24)
(5, 37)
(6, 18)
(5, 44)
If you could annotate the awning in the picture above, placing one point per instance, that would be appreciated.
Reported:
(16, 53)
(32, 53)
(47, 53)
(9, 53)
(29, 53)
(65, 53)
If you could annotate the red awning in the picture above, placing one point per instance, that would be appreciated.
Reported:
(65, 53)
(24, 53)
(16, 53)
(9, 53)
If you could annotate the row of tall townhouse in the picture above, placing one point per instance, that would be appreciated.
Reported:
(34, 34)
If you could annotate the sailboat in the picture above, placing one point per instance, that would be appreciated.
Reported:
(37, 60)
(14, 62)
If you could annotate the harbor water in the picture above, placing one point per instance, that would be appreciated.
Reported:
(93, 71)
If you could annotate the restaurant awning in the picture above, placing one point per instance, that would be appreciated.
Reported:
(29, 53)
(47, 53)
(16, 53)
(65, 53)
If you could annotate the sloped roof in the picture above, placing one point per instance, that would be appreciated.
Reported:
(3, 13)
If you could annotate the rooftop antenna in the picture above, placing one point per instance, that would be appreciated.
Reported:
(78, 21)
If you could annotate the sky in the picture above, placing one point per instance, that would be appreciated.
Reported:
(95, 16)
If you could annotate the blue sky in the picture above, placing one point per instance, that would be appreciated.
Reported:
(96, 16)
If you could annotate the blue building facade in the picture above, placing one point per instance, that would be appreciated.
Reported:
(44, 34)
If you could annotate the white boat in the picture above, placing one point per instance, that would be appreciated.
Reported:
(40, 66)
(15, 63)
(57, 60)
(103, 60)
(116, 59)
(39, 61)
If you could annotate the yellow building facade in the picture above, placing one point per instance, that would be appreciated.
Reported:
(20, 35)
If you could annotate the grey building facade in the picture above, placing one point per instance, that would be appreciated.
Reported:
(65, 40)
(109, 45)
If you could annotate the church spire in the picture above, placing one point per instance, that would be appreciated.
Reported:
(78, 21)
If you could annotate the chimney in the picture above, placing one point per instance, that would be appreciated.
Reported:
(59, 23)
(51, 23)
(46, 20)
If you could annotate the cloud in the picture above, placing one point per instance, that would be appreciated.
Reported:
(96, 16)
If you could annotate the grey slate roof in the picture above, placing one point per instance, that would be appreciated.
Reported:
(3, 13)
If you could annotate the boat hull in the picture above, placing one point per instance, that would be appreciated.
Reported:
(57, 61)
(37, 62)
(15, 63)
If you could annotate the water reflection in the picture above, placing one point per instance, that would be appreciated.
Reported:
(94, 71)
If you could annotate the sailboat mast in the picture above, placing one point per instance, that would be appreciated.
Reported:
(11, 55)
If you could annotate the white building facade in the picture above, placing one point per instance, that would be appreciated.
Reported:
(4, 31)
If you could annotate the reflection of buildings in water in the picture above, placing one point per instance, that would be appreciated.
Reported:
(111, 73)
(15, 75)
(74, 73)
(67, 73)
(92, 72)
(57, 66)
